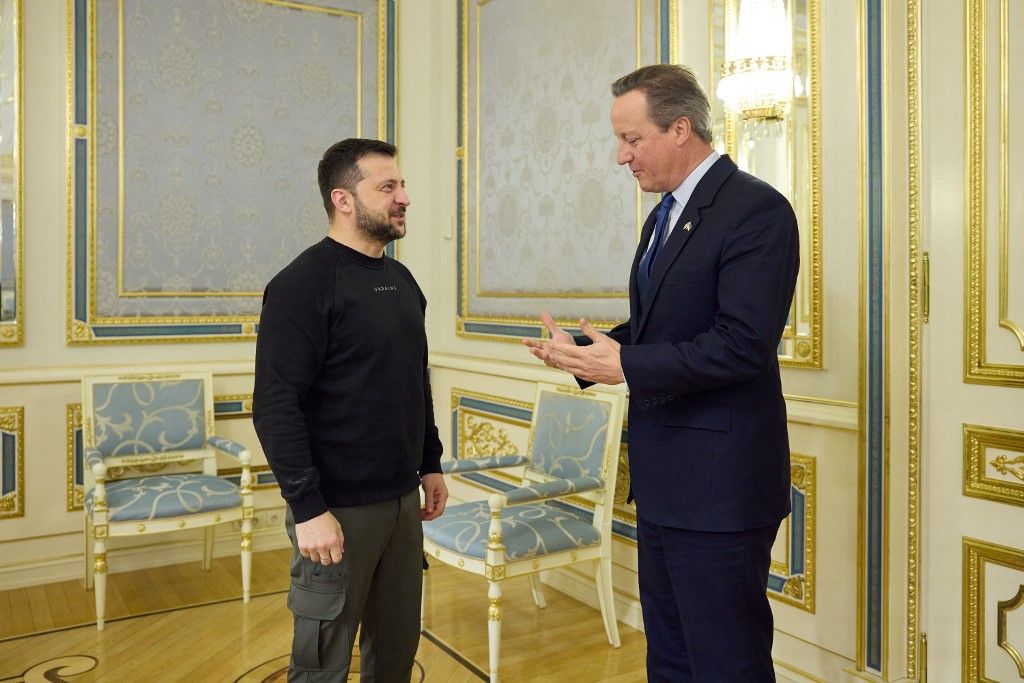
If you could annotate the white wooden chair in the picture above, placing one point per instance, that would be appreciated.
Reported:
(573, 453)
(135, 422)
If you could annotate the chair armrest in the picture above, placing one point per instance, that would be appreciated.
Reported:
(94, 461)
(551, 489)
(92, 457)
(477, 464)
(232, 448)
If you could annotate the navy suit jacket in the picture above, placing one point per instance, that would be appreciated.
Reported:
(708, 442)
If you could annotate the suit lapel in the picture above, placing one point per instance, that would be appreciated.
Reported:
(687, 224)
(634, 295)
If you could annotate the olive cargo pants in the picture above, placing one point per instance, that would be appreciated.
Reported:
(376, 586)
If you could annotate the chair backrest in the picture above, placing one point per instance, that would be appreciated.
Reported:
(147, 418)
(573, 432)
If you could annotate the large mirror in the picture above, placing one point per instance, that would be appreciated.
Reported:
(766, 108)
(10, 173)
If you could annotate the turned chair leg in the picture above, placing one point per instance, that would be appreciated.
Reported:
(493, 628)
(88, 556)
(100, 581)
(246, 558)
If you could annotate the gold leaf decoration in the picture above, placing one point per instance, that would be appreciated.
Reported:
(1010, 466)
(482, 439)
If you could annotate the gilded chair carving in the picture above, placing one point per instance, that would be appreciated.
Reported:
(143, 434)
(543, 524)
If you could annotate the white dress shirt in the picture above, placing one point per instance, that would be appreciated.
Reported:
(682, 193)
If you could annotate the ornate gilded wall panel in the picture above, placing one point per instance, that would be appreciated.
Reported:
(546, 218)
(994, 464)
(74, 458)
(791, 579)
(228, 407)
(195, 130)
(994, 325)
(781, 144)
(993, 595)
(12, 206)
(12, 462)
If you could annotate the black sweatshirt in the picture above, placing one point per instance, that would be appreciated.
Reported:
(342, 402)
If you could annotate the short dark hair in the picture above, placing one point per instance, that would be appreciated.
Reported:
(339, 166)
(672, 91)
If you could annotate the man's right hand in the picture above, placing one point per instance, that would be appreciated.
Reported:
(541, 348)
(320, 539)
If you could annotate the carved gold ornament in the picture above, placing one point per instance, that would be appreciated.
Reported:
(483, 439)
(1010, 466)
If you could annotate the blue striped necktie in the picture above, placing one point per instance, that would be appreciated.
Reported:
(643, 271)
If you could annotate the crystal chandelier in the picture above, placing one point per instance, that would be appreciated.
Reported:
(757, 76)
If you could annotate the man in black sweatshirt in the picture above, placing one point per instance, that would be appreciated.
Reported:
(343, 411)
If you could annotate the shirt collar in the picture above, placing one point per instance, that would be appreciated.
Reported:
(682, 193)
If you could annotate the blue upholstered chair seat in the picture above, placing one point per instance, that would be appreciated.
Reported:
(167, 496)
(529, 530)
(167, 418)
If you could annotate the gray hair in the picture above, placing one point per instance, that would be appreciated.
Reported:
(672, 91)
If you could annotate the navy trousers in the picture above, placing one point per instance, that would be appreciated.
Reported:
(705, 606)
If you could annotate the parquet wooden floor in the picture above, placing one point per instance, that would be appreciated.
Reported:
(226, 641)
(229, 641)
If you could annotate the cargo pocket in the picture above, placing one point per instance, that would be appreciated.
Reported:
(315, 607)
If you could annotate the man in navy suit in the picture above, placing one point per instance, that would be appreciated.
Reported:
(710, 291)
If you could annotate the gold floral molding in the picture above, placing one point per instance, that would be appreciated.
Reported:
(977, 608)
(75, 493)
(1004, 607)
(798, 589)
(794, 588)
(12, 421)
(1013, 467)
(981, 68)
(479, 438)
(979, 468)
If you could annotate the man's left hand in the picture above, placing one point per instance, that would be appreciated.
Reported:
(435, 495)
(600, 362)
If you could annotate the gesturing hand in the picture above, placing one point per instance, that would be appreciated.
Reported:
(321, 539)
(541, 348)
(599, 362)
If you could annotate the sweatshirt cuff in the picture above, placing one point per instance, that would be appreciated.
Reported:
(431, 464)
(309, 506)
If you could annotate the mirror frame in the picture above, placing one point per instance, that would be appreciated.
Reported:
(11, 330)
(807, 347)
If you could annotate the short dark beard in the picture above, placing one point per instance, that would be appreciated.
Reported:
(376, 227)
